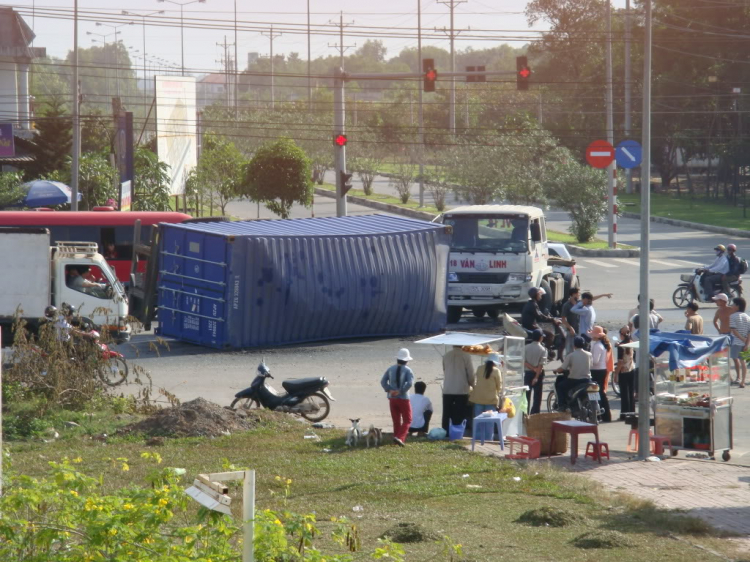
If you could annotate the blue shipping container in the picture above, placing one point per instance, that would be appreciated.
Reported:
(264, 283)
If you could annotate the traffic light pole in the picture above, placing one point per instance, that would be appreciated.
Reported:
(339, 119)
(611, 169)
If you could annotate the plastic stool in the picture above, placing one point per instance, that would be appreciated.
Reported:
(530, 448)
(658, 443)
(634, 433)
(594, 454)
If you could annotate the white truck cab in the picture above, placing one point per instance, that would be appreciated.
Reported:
(498, 252)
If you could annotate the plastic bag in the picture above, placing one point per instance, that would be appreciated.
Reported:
(507, 407)
(437, 434)
(524, 404)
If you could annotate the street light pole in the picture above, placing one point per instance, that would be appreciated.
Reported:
(103, 41)
(117, 50)
(76, 115)
(182, 25)
(143, 21)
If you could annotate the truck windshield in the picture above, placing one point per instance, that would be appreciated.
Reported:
(489, 233)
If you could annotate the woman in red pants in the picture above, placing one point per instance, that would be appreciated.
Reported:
(396, 382)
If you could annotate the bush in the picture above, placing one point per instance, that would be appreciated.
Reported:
(402, 179)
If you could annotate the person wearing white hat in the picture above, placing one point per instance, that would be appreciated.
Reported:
(396, 382)
(487, 388)
(458, 378)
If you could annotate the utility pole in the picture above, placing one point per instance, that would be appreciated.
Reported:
(76, 114)
(421, 109)
(309, 63)
(340, 46)
(644, 402)
(612, 168)
(628, 108)
(271, 36)
(452, 35)
(339, 126)
(227, 62)
(235, 74)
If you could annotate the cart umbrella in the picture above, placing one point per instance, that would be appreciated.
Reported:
(45, 193)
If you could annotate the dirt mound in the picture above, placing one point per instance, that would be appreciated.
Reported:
(550, 517)
(407, 532)
(197, 418)
(602, 539)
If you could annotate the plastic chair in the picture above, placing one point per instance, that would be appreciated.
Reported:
(634, 434)
(530, 448)
(658, 444)
(456, 432)
(594, 454)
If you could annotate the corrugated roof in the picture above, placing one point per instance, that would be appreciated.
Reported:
(510, 209)
(328, 226)
(15, 34)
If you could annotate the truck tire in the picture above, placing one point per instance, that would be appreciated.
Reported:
(478, 312)
(546, 303)
(574, 282)
(454, 314)
(493, 313)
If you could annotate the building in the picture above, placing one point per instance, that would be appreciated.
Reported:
(212, 88)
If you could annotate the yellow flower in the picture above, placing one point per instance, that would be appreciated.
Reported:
(277, 522)
(288, 481)
(74, 493)
(125, 467)
(148, 540)
(128, 506)
(113, 531)
(163, 501)
(278, 479)
(77, 460)
(189, 539)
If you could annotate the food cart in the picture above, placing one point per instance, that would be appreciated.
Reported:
(511, 350)
(692, 402)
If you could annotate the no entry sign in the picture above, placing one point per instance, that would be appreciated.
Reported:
(600, 154)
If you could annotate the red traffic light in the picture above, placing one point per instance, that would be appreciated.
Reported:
(431, 75)
(525, 72)
(339, 140)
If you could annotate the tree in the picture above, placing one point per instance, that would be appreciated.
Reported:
(151, 189)
(279, 176)
(97, 180)
(220, 171)
(52, 145)
(11, 192)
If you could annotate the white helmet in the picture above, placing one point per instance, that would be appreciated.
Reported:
(403, 354)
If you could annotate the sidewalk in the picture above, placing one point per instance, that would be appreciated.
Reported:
(716, 492)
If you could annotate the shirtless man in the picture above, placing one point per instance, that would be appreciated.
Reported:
(721, 318)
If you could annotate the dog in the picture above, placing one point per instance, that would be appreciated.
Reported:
(374, 434)
(353, 433)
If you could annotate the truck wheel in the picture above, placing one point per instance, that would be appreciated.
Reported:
(574, 282)
(493, 313)
(546, 302)
(478, 312)
(454, 314)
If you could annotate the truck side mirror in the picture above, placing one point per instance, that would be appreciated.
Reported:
(536, 232)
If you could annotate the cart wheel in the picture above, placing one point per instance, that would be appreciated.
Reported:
(725, 456)
(673, 452)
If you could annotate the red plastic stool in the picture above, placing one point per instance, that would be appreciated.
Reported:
(530, 448)
(594, 454)
(658, 444)
(634, 433)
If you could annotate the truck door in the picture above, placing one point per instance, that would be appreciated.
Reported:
(90, 289)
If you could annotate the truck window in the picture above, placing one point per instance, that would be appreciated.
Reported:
(489, 233)
(87, 280)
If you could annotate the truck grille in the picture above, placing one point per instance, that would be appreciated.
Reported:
(470, 277)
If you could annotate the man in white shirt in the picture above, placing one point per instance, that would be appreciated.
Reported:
(421, 410)
(713, 274)
(739, 323)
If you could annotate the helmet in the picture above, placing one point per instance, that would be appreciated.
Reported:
(720, 248)
(50, 311)
(68, 309)
(732, 248)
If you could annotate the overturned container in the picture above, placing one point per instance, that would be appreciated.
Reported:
(263, 283)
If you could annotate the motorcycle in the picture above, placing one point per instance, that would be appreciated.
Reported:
(112, 370)
(583, 401)
(690, 289)
(308, 397)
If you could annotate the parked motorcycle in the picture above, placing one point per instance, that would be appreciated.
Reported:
(112, 370)
(690, 289)
(308, 397)
(583, 401)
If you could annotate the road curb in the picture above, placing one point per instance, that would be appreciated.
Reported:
(740, 233)
(602, 253)
(388, 207)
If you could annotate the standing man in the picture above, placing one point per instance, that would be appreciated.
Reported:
(533, 377)
(578, 365)
(531, 314)
(694, 322)
(712, 274)
(734, 268)
(585, 310)
(739, 324)
(458, 374)
(723, 312)
(396, 382)
(570, 320)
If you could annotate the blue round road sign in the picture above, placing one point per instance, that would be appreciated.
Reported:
(629, 154)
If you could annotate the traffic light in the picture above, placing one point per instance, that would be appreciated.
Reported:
(339, 140)
(346, 182)
(430, 74)
(475, 77)
(523, 72)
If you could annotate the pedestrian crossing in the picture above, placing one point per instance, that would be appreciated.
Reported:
(635, 263)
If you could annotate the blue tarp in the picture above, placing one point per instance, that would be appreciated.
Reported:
(685, 350)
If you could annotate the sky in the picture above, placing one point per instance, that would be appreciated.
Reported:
(203, 52)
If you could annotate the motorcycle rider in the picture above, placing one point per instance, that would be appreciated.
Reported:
(532, 314)
(712, 274)
(734, 268)
(578, 365)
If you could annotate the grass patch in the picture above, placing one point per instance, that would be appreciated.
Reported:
(693, 209)
(595, 244)
(551, 517)
(414, 205)
(603, 539)
(408, 532)
(434, 488)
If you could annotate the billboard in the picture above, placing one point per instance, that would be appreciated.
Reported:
(7, 147)
(126, 195)
(176, 127)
